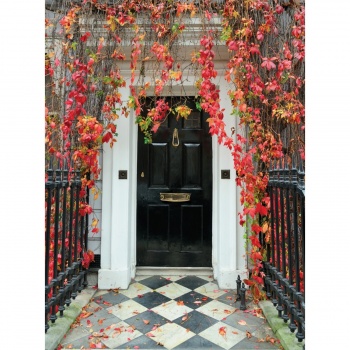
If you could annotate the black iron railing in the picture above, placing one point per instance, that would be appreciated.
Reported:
(284, 267)
(65, 240)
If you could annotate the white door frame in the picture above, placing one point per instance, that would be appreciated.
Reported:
(118, 227)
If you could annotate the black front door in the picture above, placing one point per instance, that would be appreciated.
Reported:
(174, 193)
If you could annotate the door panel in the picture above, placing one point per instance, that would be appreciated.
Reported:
(175, 234)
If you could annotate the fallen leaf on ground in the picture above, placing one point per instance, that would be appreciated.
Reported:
(242, 323)
(248, 334)
(227, 311)
(180, 302)
(146, 321)
(107, 303)
(88, 323)
(150, 335)
(205, 298)
(261, 340)
(185, 318)
(85, 314)
(100, 321)
(197, 302)
(222, 331)
(234, 332)
(111, 326)
(140, 295)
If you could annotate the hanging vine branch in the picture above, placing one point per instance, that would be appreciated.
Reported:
(162, 44)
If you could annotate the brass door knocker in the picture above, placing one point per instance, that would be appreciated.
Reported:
(176, 140)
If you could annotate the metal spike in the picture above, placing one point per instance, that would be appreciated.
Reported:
(65, 170)
(294, 171)
(50, 170)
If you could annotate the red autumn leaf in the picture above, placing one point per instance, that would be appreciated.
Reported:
(249, 211)
(262, 210)
(107, 137)
(268, 63)
(100, 321)
(232, 45)
(256, 228)
(180, 302)
(84, 37)
(255, 241)
(222, 331)
(89, 324)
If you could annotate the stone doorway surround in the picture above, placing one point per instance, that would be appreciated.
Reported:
(118, 228)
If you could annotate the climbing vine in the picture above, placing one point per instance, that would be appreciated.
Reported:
(94, 48)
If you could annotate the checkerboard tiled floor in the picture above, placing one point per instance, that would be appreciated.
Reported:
(176, 312)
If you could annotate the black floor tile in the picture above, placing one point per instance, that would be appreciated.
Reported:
(146, 321)
(152, 299)
(230, 298)
(155, 282)
(251, 322)
(192, 299)
(142, 342)
(195, 321)
(192, 282)
(110, 299)
(99, 321)
(197, 343)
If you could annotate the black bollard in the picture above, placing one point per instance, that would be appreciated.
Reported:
(242, 294)
(238, 281)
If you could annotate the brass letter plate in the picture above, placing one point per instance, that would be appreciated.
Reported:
(175, 197)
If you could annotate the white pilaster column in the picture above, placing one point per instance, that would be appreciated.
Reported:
(116, 269)
(227, 233)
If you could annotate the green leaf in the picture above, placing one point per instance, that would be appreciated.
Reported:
(198, 106)
(74, 45)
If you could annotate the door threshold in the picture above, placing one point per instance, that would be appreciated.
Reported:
(173, 271)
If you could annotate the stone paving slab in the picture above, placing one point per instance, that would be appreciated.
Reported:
(61, 326)
(170, 312)
(281, 329)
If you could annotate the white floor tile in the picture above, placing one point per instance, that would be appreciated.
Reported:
(173, 290)
(216, 309)
(126, 309)
(170, 335)
(171, 310)
(231, 337)
(134, 290)
(210, 290)
(119, 334)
